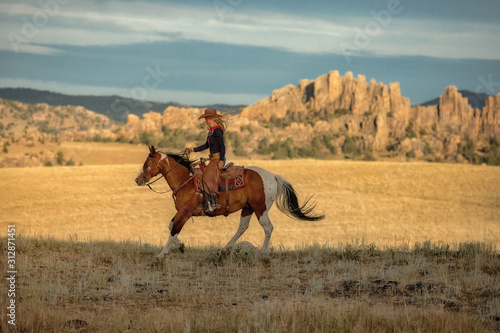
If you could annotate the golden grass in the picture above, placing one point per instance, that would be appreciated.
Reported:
(86, 153)
(409, 248)
(383, 203)
(104, 286)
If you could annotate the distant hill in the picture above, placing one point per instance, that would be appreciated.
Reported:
(115, 107)
(477, 101)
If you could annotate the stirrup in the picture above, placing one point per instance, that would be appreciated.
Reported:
(210, 203)
(211, 209)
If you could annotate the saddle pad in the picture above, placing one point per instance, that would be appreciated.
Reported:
(236, 182)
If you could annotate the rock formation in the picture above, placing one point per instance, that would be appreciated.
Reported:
(382, 118)
(330, 116)
(315, 117)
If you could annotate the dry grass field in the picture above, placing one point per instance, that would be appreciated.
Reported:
(405, 247)
(383, 203)
(105, 286)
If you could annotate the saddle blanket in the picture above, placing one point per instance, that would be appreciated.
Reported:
(236, 179)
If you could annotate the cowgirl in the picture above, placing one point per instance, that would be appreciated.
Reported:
(215, 142)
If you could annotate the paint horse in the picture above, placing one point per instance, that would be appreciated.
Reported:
(262, 189)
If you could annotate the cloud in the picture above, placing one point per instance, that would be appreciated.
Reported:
(118, 22)
(30, 48)
(409, 37)
(241, 54)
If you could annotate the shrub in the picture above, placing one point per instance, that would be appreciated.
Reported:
(342, 112)
(60, 158)
(393, 146)
(410, 154)
(427, 149)
(350, 146)
(283, 150)
(493, 157)
(369, 157)
(147, 138)
(410, 133)
(309, 151)
(263, 147)
(122, 139)
(234, 139)
(468, 150)
(178, 138)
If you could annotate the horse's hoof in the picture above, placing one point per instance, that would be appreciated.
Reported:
(181, 247)
(160, 256)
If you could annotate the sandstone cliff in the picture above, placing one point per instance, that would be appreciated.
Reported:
(329, 117)
(346, 117)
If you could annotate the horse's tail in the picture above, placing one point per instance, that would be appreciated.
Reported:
(287, 202)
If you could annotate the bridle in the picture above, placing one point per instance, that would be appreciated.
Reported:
(164, 175)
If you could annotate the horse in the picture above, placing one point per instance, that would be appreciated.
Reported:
(262, 189)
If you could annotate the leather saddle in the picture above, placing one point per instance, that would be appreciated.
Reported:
(232, 177)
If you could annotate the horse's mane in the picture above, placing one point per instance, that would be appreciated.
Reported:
(181, 158)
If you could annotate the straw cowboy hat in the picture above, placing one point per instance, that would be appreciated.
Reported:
(212, 113)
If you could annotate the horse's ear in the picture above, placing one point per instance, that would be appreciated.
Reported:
(152, 150)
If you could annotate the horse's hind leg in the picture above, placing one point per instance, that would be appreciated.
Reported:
(246, 215)
(266, 224)
(262, 203)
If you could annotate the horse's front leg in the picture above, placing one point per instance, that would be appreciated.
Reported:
(175, 227)
(175, 239)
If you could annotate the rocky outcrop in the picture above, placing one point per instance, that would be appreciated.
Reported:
(382, 118)
(329, 116)
(455, 112)
(488, 119)
(181, 118)
(32, 123)
(454, 121)
(333, 93)
(277, 105)
(322, 113)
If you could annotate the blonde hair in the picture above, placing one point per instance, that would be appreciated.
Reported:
(222, 123)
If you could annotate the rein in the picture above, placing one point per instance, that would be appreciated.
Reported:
(154, 181)
(165, 176)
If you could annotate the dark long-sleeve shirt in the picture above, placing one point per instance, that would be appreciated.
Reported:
(215, 141)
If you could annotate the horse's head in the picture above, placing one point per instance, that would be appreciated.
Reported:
(149, 169)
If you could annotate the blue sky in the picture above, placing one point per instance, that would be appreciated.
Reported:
(239, 51)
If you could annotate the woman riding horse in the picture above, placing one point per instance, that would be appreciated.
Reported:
(261, 188)
(215, 141)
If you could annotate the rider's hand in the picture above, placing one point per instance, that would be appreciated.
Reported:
(190, 150)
